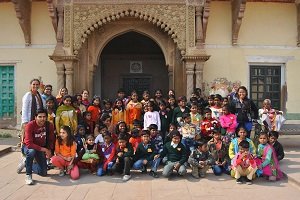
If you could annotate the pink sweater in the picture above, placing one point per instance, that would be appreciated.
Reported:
(228, 122)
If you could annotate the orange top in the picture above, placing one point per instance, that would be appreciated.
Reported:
(133, 111)
(64, 150)
(117, 116)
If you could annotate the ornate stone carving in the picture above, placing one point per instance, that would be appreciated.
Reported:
(191, 25)
(23, 12)
(52, 13)
(205, 15)
(88, 18)
(238, 9)
(68, 22)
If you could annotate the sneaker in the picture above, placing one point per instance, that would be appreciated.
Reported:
(239, 181)
(61, 173)
(28, 180)
(153, 174)
(21, 165)
(248, 181)
(144, 169)
(126, 177)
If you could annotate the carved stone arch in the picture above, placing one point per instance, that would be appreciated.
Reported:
(87, 19)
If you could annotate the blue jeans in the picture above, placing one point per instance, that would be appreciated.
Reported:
(189, 143)
(138, 165)
(40, 159)
(218, 170)
(101, 171)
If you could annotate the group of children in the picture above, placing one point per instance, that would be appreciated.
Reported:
(129, 134)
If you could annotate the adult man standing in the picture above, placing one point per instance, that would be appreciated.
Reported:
(38, 143)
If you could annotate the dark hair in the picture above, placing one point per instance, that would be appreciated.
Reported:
(85, 113)
(146, 92)
(243, 88)
(66, 97)
(239, 128)
(152, 126)
(94, 98)
(182, 98)
(70, 137)
(121, 90)
(51, 98)
(172, 124)
(211, 97)
(41, 110)
(115, 104)
(122, 137)
(200, 143)
(104, 117)
(135, 132)
(117, 131)
(264, 133)
(79, 127)
(163, 103)
(85, 90)
(244, 144)
(194, 104)
(186, 115)
(48, 86)
(102, 126)
(136, 122)
(145, 132)
(207, 110)
(217, 96)
(274, 134)
(174, 133)
(90, 136)
(35, 79)
(151, 104)
(107, 101)
(106, 134)
(193, 99)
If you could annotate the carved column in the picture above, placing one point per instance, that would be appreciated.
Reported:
(60, 31)
(170, 75)
(69, 75)
(189, 71)
(60, 70)
(199, 26)
(199, 74)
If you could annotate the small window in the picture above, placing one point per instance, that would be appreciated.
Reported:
(265, 83)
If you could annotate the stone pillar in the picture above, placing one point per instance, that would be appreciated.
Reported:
(199, 74)
(91, 74)
(189, 67)
(69, 75)
(60, 70)
(199, 26)
(170, 75)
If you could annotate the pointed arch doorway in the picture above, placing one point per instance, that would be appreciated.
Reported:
(131, 61)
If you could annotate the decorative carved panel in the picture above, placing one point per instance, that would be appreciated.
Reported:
(238, 9)
(82, 19)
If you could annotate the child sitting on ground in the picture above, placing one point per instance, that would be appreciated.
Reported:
(219, 151)
(176, 155)
(108, 150)
(124, 157)
(273, 140)
(90, 156)
(99, 131)
(200, 160)
(144, 155)
(243, 164)
(266, 159)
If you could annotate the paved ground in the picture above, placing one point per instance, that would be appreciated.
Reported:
(12, 185)
(140, 187)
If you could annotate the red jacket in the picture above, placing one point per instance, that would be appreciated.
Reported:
(208, 125)
(35, 136)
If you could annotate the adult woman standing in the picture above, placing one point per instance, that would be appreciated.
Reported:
(245, 109)
(31, 102)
